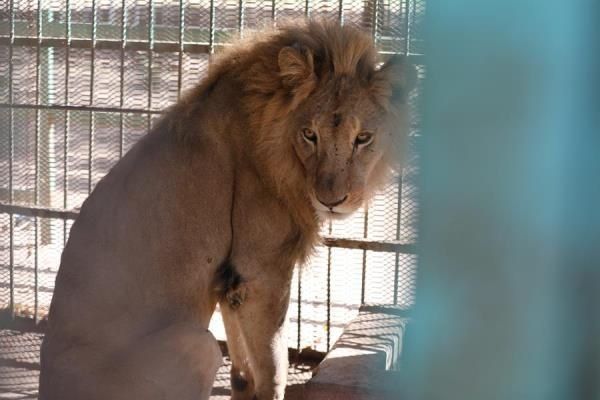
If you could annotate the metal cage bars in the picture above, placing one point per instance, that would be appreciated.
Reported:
(124, 44)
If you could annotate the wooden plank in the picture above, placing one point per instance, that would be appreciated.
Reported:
(392, 246)
(34, 211)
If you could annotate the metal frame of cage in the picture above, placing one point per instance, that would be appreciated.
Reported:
(407, 12)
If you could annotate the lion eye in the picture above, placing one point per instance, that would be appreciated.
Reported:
(363, 138)
(309, 135)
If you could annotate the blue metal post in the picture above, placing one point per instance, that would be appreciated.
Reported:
(508, 286)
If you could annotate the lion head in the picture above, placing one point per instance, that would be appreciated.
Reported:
(329, 118)
(342, 133)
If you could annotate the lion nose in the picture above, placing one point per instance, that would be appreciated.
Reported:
(331, 204)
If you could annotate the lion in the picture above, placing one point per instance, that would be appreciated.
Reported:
(216, 205)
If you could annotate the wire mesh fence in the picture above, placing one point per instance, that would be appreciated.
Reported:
(82, 80)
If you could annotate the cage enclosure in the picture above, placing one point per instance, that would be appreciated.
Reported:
(82, 80)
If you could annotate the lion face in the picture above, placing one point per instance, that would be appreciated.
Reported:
(346, 124)
(340, 137)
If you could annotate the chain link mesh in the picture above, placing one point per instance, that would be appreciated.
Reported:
(70, 108)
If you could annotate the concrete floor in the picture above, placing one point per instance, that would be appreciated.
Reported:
(19, 369)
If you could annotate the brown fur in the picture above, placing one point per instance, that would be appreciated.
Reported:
(217, 204)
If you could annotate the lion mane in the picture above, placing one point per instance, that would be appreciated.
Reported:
(265, 91)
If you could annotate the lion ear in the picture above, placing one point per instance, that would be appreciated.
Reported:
(395, 79)
(295, 66)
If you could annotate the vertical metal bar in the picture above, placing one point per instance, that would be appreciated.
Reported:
(122, 74)
(47, 137)
(363, 283)
(375, 20)
(150, 55)
(341, 12)
(273, 15)
(241, 18)
(401, 177)
(299, 319)
(407, 10)
(329, 292)
(67, 118)
(180, 55)
(35, 270)
(398, 224)
(413, 13)
(37, 158)
(11, 266)
(38, 76)
(11, 160)
(307, 8)
(91, 125)
(211, 33)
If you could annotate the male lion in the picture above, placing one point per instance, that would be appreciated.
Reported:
(217, 204)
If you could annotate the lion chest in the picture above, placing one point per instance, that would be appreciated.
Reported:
(266, 245)
(263, 230)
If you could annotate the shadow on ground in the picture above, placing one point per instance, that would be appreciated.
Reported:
(20, 368)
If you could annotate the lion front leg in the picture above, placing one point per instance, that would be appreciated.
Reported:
(242, 381)
(256, 311)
